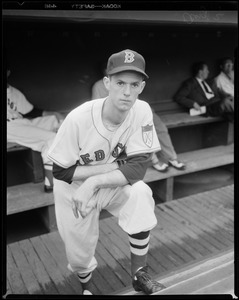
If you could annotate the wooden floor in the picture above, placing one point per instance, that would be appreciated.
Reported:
(213, 275)
(189, 230)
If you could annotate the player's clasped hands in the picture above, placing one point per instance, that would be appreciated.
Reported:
(83, 201)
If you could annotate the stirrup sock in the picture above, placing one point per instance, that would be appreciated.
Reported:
(84, 278)
(48, 175)
(139, 243)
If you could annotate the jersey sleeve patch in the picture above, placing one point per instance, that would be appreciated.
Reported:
(147, 134)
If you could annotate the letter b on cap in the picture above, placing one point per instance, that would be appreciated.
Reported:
(129, 57)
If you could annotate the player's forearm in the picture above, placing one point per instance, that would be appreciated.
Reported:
(84, 172)
(108, 180)
(83, 200)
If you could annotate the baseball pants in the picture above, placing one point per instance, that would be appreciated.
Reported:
(167, 150)
(37, 133)
(132, 205)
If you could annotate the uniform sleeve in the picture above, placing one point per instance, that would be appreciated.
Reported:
(65, 148)
(63, 174)
(135, 167)
(95, 91)
(144, 139)
(99, 90)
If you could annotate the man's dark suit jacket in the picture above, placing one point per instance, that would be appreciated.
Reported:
(191, 92)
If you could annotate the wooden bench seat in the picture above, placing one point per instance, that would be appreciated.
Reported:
(184, 119)
(31, 196)
(15, 147)
(202, 159)
(27, 196)
(197, 160)
(32, 159)
(217, 130)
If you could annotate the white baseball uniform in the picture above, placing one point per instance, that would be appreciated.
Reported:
(37, 133)
(225, 84)
(83, 139)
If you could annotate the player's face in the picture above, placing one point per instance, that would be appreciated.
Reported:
(124, 88)
(227, 66)
(205, 72)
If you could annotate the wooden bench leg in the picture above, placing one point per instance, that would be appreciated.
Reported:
(163, 189)
(229, 168)
(218, 134)
(230, 133)
(34, 161)
(48, 217)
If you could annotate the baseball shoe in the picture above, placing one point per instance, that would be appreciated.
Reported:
(177, 164)
(160, 168)
(86, 292)
(48, 188)
(87, 288)
(144, 283)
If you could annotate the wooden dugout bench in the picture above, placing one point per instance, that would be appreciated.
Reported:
(32, 159)
(215, 149)
(212, 147)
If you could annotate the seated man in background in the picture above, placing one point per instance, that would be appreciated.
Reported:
(195, 92)
(31, 127)
(167, 155)
(224, 82)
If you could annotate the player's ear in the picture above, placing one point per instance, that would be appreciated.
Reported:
(143, 84)
(106, 81)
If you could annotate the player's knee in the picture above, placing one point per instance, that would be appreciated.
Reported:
(141, 192)
(137, 193)
(141, 188)
(141, 201)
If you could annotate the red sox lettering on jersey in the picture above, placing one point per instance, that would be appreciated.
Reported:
(100, 155)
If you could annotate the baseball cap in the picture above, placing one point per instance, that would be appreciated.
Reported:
(126, 60)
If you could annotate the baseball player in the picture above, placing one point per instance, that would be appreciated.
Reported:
(100, 156)
(31, 127)
(166, 156)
